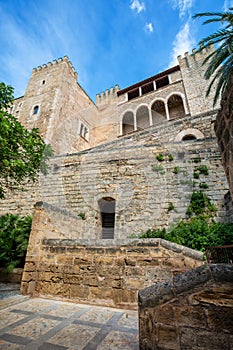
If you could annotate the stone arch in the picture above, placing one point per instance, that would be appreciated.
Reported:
(189, 134)
(127, 123)
(158, 111)
(175, 104)
(107, 206)
(142, 117)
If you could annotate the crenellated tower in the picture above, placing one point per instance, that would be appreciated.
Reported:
(195, 85)
(56, 104)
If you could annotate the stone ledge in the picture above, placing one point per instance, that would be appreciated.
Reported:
(162, 292)
(117, 243)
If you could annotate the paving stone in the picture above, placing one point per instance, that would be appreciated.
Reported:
(41, 324)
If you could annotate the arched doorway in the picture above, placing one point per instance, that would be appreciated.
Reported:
(107, 207)
(158, 112)
(143, 119)
(176, 107)
(127, 123)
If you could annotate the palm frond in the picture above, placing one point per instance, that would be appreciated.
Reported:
(220, 61)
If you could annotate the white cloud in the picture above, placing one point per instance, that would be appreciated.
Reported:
(227, 4)
(138, 6)
(149, 27)
(182, 5)
(183, 42)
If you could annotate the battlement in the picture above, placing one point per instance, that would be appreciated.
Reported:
(109, 94)
(197, 55)
(54, 63)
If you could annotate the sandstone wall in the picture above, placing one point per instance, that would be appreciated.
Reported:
(191, 311)
(128, 171)
(192, 72)
(63, 106)
(105, 272)
(224, 132)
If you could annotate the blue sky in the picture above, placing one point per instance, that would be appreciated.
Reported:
(108, 41)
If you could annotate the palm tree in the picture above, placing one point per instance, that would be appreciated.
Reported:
(220, 62)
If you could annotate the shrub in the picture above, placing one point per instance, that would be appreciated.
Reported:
(197, 233)
(203, 170)
(14, 235)
(176, 170)
(170, 207)
(196, 175)
(160, 157)
(197, 160)
(158, 168)
(82, 216)
(170, 157)
(200, 203)
(203, 185)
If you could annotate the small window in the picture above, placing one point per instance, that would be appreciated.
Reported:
(83, 131)
(43, 82)
(162, 82)
(35, 110)
(133, 94)
(147, 88)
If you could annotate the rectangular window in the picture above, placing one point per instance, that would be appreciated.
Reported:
(162, 82)
(133, 94)
(147, 88)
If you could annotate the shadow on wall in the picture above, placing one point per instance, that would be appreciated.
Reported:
(193, 311)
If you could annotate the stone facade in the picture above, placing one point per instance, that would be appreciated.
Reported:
(130, 173)
(102, 272)
(190, 311)
(107, 150)
(68, 119)
(224, 132)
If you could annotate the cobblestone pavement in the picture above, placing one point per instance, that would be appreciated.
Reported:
(43, 324)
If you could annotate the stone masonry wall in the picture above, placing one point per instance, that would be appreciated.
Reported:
(191, 311)
(105, 272)
(128, 171)
(224, 132)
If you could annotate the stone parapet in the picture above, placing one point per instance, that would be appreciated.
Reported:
(104, 272)
(190, 311)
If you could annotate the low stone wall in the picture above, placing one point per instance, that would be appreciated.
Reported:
(14, 276)
(104, 272)
(192, 311)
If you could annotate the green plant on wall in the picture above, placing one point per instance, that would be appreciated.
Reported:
(176, 170)
(200, 204)
(203, 170)
(160, 157)
(199, 230)
(82, 216)
(170, 157)
(170, 207)
(14, 235)
(158, 168)
(203, 185)
(196, 175)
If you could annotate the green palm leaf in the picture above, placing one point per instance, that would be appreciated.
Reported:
(220, 62)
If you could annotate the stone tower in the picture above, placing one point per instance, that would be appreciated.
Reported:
(57, 105)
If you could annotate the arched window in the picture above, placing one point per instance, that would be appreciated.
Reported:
(189, 137)
(142, 116)
(127, 123)
(35, 110)
(176, 107)
(158, 112)
(189, 134)
(107, 207)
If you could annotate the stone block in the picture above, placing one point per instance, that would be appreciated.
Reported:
(168, 337)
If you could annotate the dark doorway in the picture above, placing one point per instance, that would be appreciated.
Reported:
(107, 209)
